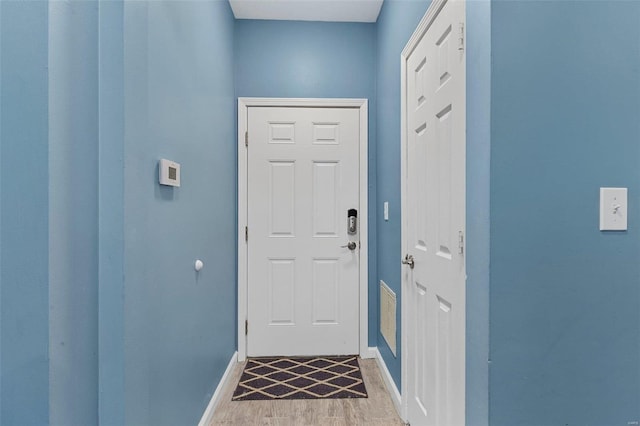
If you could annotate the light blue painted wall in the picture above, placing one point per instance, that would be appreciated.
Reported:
(478, 42)
(73, 213)
(179, 326)
(315, 60)
(1, 212)
(111, 343)
(1, 370)
(165, 336)
(24, 240)
(398, 19)
(304, 59)
(565, 297)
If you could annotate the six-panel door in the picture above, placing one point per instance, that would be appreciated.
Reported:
(303, 177)
(434, 232)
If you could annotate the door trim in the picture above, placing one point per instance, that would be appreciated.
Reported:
(243, 202)
(424, 25)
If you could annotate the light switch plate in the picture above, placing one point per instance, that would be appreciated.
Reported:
(613, 209)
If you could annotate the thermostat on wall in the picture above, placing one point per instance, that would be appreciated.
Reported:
(169, 172)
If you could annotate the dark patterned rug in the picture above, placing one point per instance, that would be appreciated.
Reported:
(300, 378)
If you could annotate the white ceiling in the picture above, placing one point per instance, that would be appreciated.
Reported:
(308, 10)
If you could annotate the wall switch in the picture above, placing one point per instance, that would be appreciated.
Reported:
(613, 209)
(386, 210)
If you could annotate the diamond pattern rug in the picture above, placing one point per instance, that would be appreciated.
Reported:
(300, 378)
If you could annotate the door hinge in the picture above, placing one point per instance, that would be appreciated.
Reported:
(246, 138)
(461, 36)
(246, 233)
(246, 327)
(460, 242)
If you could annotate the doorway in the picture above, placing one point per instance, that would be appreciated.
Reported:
(302, 219)
(433, 218)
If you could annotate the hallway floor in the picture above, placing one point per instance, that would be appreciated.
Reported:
(376, 410)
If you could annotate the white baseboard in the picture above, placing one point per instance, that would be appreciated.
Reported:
(208, 413)
(388, 381)
(369, 353)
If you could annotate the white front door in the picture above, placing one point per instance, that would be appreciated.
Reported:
(303, 282)
(433, 231)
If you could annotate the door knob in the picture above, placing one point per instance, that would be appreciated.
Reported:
(351, 245)
(408, 260)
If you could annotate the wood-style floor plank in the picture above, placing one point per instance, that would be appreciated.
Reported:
(376, 410)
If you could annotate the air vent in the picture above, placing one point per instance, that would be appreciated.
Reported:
(388, 315)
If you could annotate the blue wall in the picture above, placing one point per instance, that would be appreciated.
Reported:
(111, 213)
(397, 21)
(565, 297)
(478, 42)
(73, 213)
(1, 370)
(70, 73)
(315, 60)
(24, 241)
(179, 325)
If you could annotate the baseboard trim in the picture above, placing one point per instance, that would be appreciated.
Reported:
(370, 353)
(388, 381)
(215, 399)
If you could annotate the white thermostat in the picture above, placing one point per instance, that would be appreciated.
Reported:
(169, 172)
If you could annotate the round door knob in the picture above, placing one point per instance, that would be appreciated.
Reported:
(351, 245)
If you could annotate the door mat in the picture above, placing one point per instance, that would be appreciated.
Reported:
(300, 378)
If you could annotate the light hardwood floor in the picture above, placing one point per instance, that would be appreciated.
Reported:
(376, 410)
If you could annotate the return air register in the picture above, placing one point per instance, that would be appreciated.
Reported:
(388, 315)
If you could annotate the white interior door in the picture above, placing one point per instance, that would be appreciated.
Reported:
(434, 175)
(303, 282)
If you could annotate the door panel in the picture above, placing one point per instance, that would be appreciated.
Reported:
(326, 288)
(282, 198)
(434, 179)
(281, 291)
(326, 202)
(303, 177)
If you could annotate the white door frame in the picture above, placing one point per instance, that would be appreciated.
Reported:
(243, 203)
(418, 34)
